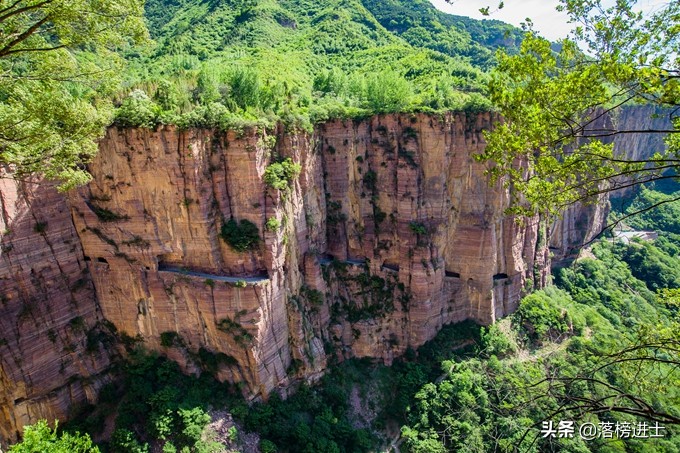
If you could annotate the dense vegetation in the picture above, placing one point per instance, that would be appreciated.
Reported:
(223, 64)
(597, 349)
(616, 57)
(60, 65)
(239, 62)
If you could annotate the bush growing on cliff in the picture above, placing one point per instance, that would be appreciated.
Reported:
(273, 224)
(279, 175)
(241, 236)
(418, 228)
(106, 215)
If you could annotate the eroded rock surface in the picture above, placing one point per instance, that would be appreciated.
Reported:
(390, 231)
(52, 356)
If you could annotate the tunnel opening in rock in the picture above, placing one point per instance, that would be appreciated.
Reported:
(390, 266)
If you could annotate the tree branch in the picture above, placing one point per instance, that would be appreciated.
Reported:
(22, 37)
(21, 10)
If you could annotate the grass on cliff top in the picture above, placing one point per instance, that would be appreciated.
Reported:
(239, 62)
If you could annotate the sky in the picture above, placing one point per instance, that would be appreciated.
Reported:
(547, 21)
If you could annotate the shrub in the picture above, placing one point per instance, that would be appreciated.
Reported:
(167, 96)
(495, 342)
(539, 318)
(40, 227)
(171, 339)
(245, 87)
(137, 110)
(242, 236)
(387, 92)
(137, 241)
(106, 215)
(418, 228)
(273, 224)
(314, 296)
(278, 175)
(267, 446)
(207, 90)
(370, 179)
(77, 324)
(40, 437)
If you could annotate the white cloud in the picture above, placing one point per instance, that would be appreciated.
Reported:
(547, 21)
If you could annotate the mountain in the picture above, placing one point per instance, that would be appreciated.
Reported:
(285, 209)
(223, 62)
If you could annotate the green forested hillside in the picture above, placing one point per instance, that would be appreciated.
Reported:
(228, 62)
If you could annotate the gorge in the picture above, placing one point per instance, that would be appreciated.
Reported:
(260, 226)
(390, 231)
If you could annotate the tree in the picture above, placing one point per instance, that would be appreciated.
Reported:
(387, 92)
(40, 437)
(554, 147)
(58, 61)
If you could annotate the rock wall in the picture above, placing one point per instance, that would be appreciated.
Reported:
(51, 357)
(582, 222)
(390, 231)
(636, 146)
(579, 225)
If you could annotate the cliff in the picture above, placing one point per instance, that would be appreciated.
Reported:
(582, 222)
(51, 359)
(390, 231)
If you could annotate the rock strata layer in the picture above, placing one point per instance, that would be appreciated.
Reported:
(389, 231)
(51, 359)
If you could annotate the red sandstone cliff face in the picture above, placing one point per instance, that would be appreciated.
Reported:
(48, 310)
(390, 231)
